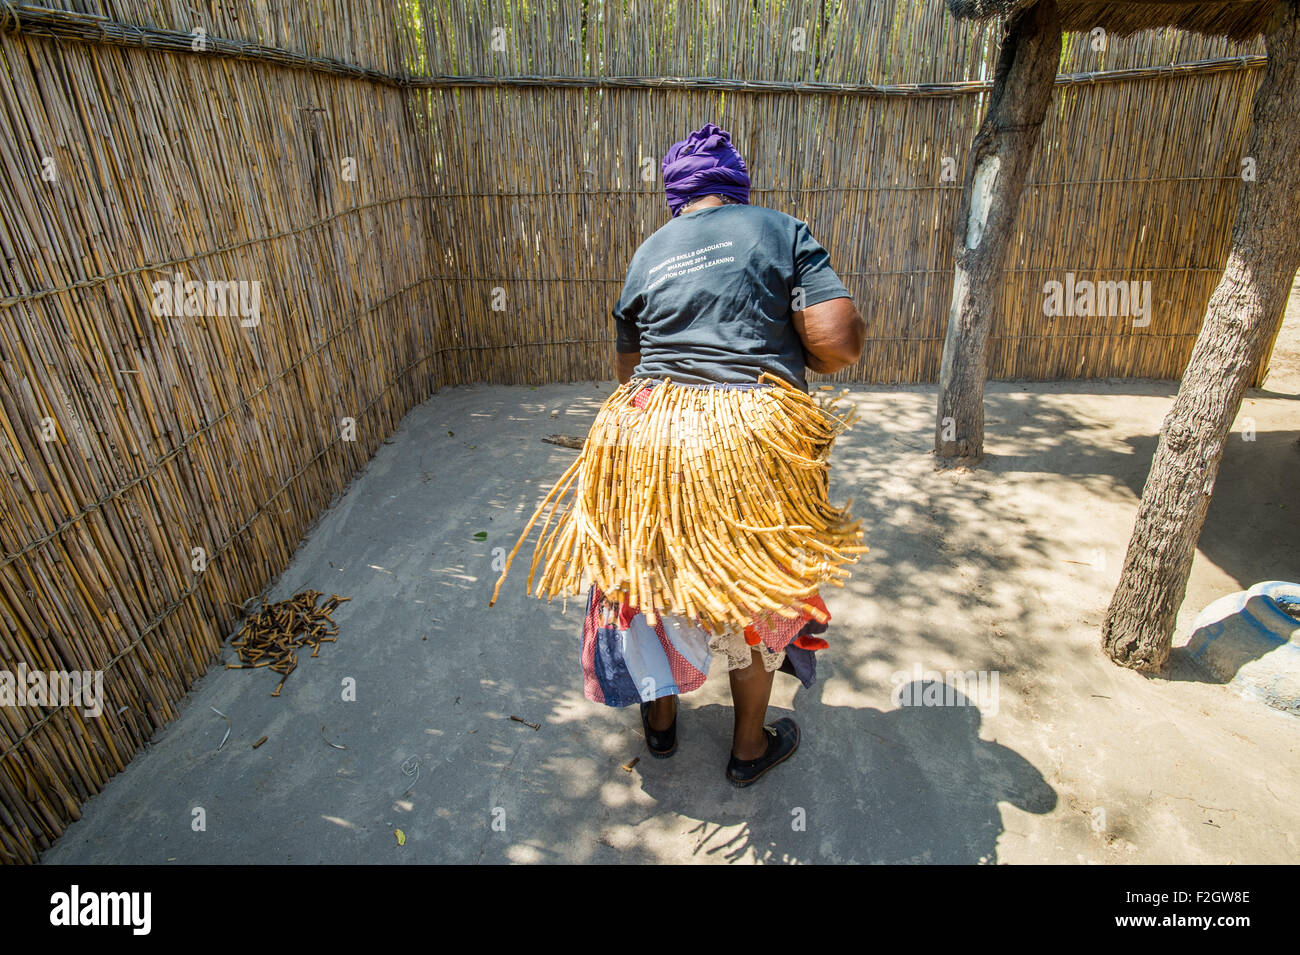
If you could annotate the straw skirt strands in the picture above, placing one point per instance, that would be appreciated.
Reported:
(711, 503)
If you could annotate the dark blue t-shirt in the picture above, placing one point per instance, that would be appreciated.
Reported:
(710, 296)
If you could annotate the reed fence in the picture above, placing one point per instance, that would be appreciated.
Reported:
(433, 194)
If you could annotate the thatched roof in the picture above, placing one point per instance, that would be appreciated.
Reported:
(1235, 19)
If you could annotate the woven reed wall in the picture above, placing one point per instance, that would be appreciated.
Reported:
(1135, 179)
(171, 433)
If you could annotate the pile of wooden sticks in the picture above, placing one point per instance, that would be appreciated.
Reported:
(709, 503)
(272, 636)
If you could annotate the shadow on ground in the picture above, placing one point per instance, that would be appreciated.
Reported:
(916, 781)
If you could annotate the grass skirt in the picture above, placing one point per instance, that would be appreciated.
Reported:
(707, 502)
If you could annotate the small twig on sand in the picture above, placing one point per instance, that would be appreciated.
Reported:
(229, 726)
(564, 441)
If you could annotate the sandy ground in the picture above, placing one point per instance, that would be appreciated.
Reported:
(1006, 570)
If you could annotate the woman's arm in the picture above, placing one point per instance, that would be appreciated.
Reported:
(833, 334)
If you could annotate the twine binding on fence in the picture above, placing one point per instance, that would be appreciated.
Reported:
(89, 28)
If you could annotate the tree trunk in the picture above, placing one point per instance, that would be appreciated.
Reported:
(995, 175)
(1241, 319)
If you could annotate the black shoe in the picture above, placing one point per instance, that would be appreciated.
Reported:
(661, 743)
(782, 741)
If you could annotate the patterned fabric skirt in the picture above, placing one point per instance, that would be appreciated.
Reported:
(626, 661)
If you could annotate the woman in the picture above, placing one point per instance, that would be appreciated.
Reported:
(722, 293)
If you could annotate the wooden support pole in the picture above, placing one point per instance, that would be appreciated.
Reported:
(1241, 319)
(995, 175)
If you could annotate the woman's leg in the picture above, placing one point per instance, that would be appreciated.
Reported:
(662, 712)
(751, 687)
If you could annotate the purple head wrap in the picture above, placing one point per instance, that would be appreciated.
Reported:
(703, 164)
